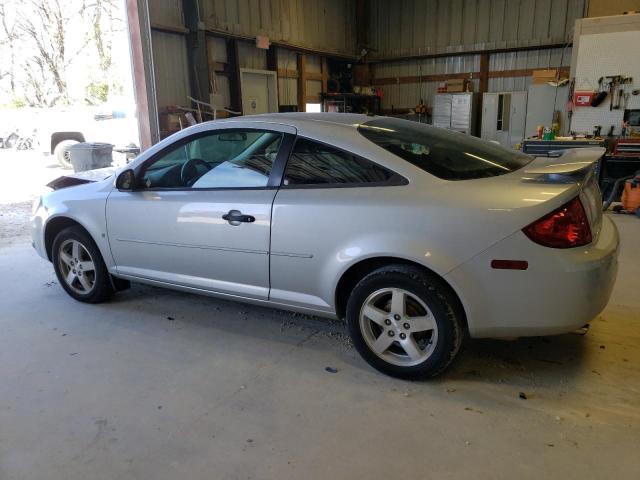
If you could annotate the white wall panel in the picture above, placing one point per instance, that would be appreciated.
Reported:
(600, 55)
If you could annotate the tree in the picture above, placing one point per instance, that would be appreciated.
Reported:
(8, 42)
(43, 23)
(104, 23)
(48, 48)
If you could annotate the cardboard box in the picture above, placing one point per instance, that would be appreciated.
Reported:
(170, 122)
(543, 76)
(458, 85)
(455, 85)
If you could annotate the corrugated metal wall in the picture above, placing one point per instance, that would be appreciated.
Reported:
(408, 95)
(166, 13)
(251, 57)
(314, 65)
(287, 87)
(170, 68)
(415, 27)
(398, 28)
(555, 57)
(326, 25)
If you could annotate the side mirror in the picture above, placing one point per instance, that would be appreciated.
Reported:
(126, 180)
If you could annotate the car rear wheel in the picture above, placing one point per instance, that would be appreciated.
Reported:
(62, 153)
(405, 322)
(79, 266)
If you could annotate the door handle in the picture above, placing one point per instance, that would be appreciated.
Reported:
(235, 217)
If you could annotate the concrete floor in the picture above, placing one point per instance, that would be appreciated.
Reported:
(164, 385)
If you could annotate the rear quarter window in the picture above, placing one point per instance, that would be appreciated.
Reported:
(313, 163)
(443, 153)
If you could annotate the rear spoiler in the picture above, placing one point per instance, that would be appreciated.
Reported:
(571, 162)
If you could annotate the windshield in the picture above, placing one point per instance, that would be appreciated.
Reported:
(443, 153)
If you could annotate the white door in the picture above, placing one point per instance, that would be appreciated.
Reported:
(259, 91)
(489, 116)
(517, 118)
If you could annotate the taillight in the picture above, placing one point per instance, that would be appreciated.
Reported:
(566, 227)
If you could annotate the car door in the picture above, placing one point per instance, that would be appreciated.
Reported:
(200, 215)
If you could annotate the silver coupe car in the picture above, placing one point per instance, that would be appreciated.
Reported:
(419, 237)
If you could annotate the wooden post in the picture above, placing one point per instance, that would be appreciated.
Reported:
(302, 82)
(235, 90)
(482, 89)
(484, 73)
(325, 74)
(272, 58)
(143, 75)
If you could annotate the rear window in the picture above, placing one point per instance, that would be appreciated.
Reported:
(443, 153)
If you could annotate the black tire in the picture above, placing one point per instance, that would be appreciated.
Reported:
(432, 292)
(61, 153)
(101, 289)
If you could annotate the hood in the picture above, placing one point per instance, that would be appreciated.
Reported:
(81, 178)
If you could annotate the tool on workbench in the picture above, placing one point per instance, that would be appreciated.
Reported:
(597, 130)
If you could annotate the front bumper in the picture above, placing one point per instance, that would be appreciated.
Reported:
(562, 289)
(38, 220)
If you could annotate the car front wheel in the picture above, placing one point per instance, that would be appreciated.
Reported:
(79, 266)
(405, 322)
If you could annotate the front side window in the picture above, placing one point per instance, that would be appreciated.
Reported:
(313, 163)
(218, 159)
(443, 153)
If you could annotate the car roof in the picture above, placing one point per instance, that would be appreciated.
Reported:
(301, 119)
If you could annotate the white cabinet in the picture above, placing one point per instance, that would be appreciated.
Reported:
(454, 111)
(543, 101)
(503, 117)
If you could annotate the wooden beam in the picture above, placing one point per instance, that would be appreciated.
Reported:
(468, 52)
(282, 73)
(483, 86)
(302, 81)
(527, 72)
(272, 58)
(484, 73)
(325, 74)
(424, 78)
(169, 28)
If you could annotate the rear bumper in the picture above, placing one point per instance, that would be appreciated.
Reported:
(560, 291)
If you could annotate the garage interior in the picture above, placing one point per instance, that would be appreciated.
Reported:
(162, 384)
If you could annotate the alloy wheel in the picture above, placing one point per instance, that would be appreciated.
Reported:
(77, 266)
(398, 327)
